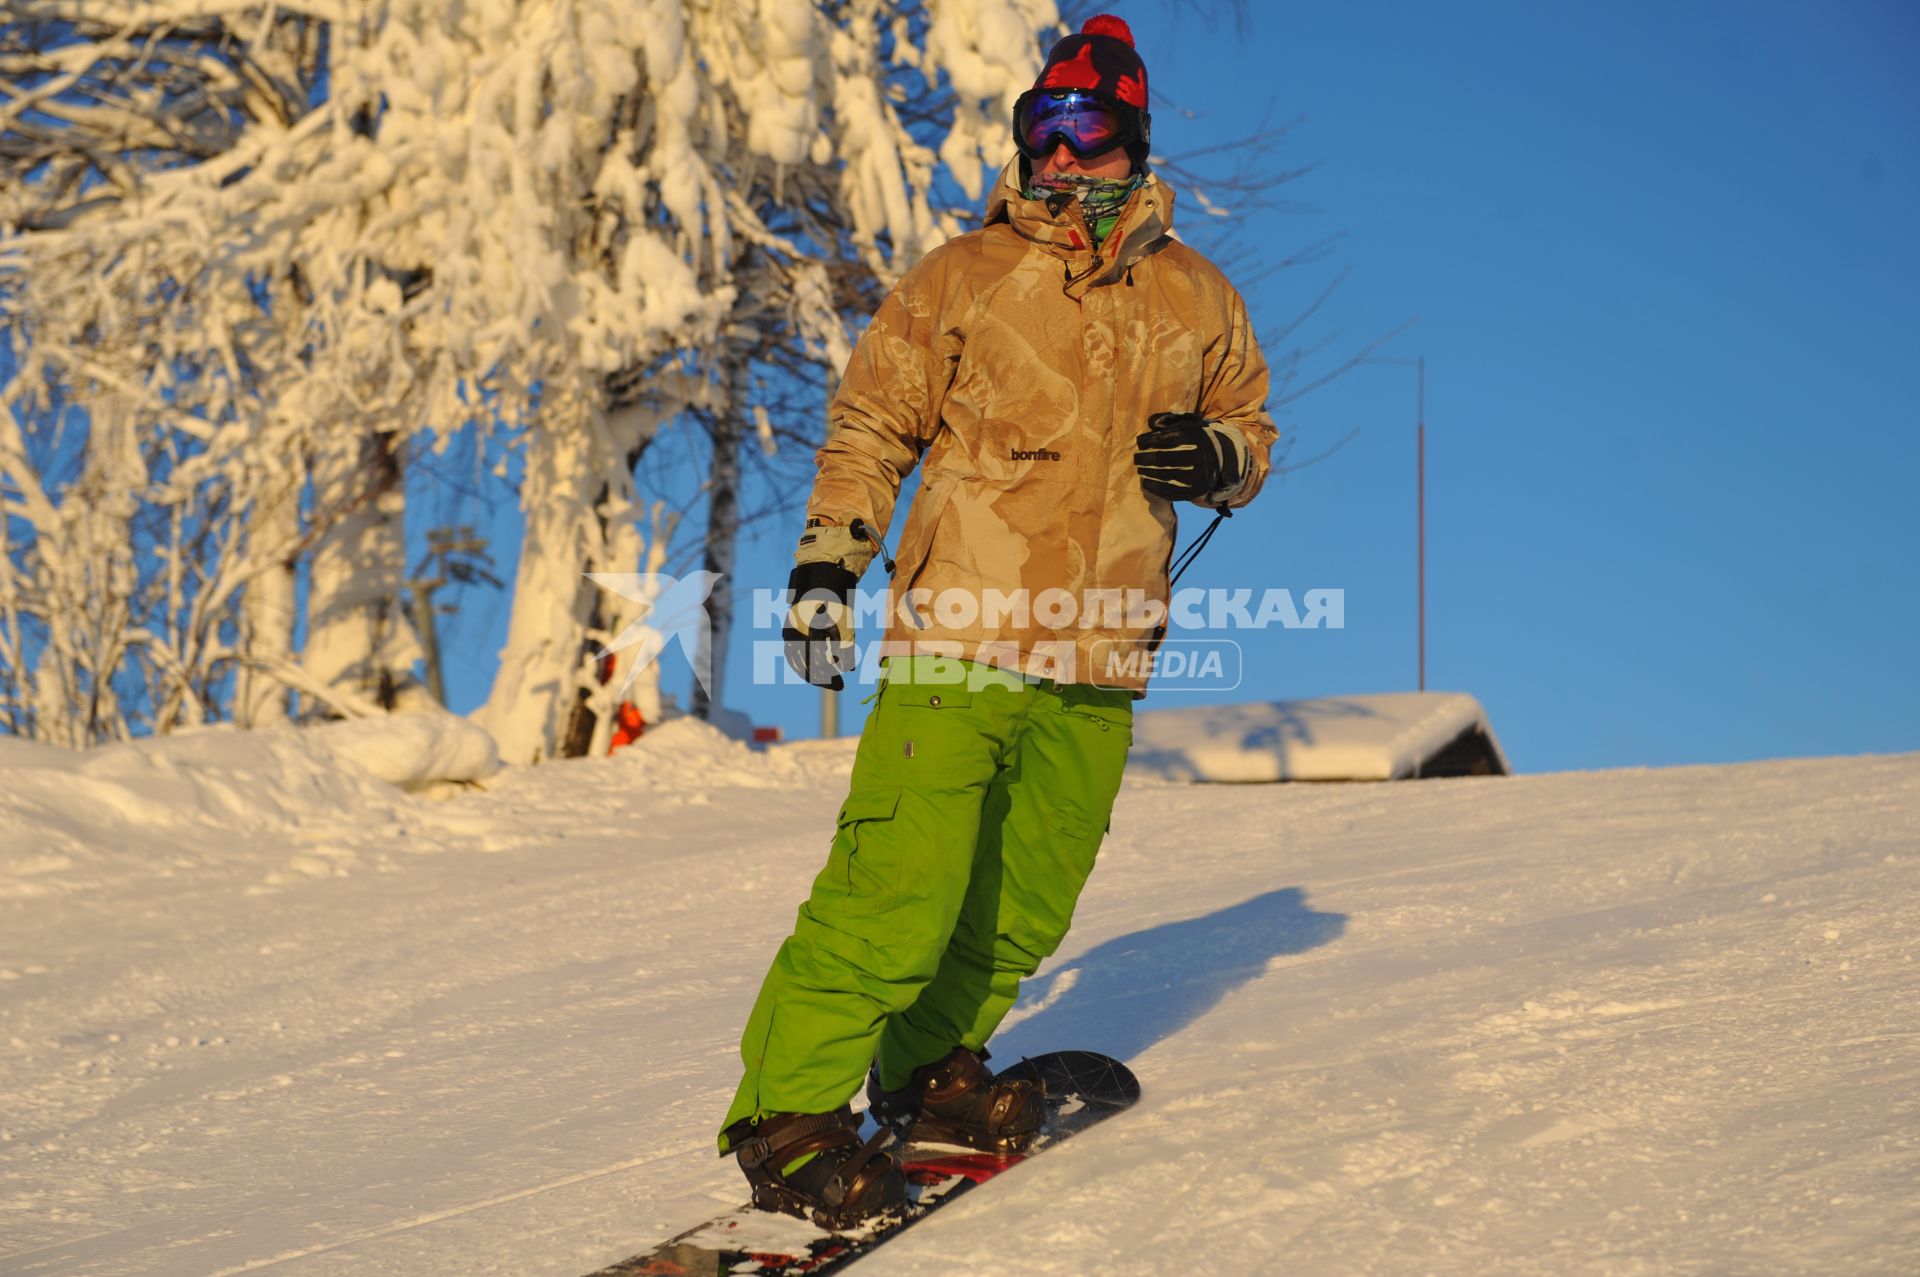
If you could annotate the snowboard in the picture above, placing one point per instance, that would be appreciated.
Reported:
(1081, 1089)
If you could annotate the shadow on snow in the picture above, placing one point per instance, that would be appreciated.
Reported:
(1126, 994)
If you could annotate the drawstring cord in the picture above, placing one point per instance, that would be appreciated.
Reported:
(1199, 544)
(859, 529)
(1185, 561)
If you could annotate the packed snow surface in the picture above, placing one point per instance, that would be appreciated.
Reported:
(261, 1011)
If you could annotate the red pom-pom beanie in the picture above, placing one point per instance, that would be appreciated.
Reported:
(1100, 57)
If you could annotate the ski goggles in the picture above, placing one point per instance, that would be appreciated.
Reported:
(1089, 123)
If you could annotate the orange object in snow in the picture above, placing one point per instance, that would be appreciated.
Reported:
(628, 726)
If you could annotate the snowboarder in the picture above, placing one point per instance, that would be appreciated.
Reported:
(1067, 372)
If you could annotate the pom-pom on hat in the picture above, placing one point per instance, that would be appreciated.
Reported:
(1101, 58)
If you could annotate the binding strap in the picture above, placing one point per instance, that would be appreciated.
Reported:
(859, 1171)
(791, 1138)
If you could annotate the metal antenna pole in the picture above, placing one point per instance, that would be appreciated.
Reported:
(1419, 506)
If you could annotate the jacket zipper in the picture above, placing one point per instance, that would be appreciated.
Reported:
(1099, 252)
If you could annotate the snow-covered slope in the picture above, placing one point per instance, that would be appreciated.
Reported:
(271, 1014)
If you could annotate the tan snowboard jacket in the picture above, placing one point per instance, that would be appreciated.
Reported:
(1019, 365)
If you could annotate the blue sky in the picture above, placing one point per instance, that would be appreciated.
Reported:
(1664, 265)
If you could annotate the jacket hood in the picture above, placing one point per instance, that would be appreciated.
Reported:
(1145, 223)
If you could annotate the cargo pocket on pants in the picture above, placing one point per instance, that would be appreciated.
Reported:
(862, 876)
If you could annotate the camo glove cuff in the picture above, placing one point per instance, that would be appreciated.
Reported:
(831, 543)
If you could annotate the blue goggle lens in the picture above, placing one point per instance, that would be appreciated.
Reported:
(1088, 124)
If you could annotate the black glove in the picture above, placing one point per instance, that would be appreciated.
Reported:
(1185, 457)
(819, 629)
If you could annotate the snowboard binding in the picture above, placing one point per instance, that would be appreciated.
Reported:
(956, 1100)
(844, 1183)
(1080, 1089)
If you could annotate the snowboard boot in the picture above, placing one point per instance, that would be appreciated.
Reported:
(955, 1100)
(842, 1183)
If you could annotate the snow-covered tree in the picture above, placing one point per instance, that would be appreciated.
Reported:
(305, 237)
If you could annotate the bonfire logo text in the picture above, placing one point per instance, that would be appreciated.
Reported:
(672, 608)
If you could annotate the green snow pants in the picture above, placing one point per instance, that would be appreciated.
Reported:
(978, 803)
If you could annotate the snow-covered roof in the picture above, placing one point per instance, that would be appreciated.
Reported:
(1383, 736)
